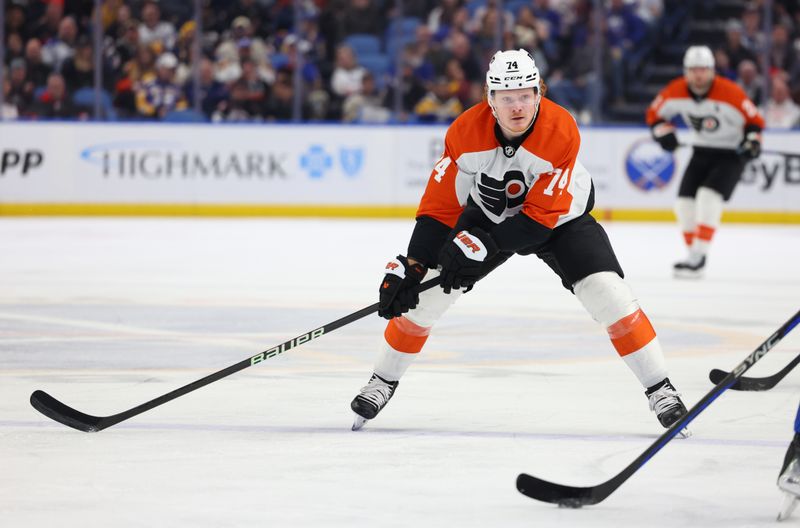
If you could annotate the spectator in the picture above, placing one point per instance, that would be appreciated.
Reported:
(78, 70)
(751, 82)
(248, 95)
(20, 90)
(780, 111)
(347, 75)
(484, 23)
(781, 53)
(410, 87)
(48, 25)
(722, 64)
(460, 48)
(9, 111)
(459, 85)
(161, 95)
(439, 105)
(241, 32)
(57, 50)
(37, 69)
(574, 85)
(15, 48)
(752, 37)
(365, 106)
(361, 16)
(126, 45)
(280, 106)
(734, 46)
(214, 96)
(625, 34)
(55, 102)
(15, 21)
(153, 30)
(441, 17)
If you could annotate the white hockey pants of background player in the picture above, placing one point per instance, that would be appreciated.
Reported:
(604, 295)
(699, 218)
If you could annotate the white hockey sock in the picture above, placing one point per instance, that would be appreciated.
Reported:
(709, 204)
(685, 213)
(647, 364)
(391, 364)
(611, 302)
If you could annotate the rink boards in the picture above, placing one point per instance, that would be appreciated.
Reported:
(329, 170)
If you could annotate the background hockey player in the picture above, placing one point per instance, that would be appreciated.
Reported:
(726, 134)
(789, 477)
(509, 182)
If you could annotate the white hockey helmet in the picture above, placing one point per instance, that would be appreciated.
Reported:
(698, 57)
(512, 69)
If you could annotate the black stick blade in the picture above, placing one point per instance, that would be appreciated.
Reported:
(717, 375)
(55, 410)
(564, 496)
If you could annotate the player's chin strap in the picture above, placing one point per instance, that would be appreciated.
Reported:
(511, 133)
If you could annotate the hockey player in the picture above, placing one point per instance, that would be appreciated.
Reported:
(789, 477)
(509, 182)
(727, 133)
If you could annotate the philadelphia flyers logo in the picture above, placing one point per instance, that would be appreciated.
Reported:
(498, 196)
(704, 123)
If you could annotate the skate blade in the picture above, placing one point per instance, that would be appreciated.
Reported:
(358, 423)
(684, 433)
(789, 504)
(688, 274)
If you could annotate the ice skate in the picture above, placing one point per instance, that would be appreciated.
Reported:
(789, 483)
(666, 402)
(692, 267)
(373, 397)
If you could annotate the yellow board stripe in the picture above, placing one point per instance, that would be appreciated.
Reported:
(339, 211)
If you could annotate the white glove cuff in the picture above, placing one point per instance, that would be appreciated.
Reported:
(471, 246)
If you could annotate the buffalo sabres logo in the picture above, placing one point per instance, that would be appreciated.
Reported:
(509, 151)
(704, 123)
(351, 159)
(498, 196)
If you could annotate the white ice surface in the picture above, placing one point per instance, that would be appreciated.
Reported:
(108, 313)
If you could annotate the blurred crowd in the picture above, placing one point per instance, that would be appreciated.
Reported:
(370, 61)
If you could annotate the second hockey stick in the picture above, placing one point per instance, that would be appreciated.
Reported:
(63, 413)
(576, 496)
(754, 384)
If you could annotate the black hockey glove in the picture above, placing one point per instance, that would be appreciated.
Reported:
(398, 291)
(664, 134)
(750, 148)
(462, 258)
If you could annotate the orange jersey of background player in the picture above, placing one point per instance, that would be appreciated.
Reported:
(541, 178)
(718, 119)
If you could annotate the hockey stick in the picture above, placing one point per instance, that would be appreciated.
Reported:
(60, 412)
(754, 384)
(575, 497)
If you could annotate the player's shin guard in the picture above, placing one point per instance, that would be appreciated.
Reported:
(685, 213)
(404, 338)
(708, 206)
(610, 301)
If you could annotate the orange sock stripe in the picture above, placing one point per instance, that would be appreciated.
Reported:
(688, 238)
(405, 336)
(705, 232)
(631, 333)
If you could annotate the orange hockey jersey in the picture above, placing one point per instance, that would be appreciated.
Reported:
(540, 178)
(718, 120)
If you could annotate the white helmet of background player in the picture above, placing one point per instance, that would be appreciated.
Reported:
(698, 68)
(698, 57)
(512, 70)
